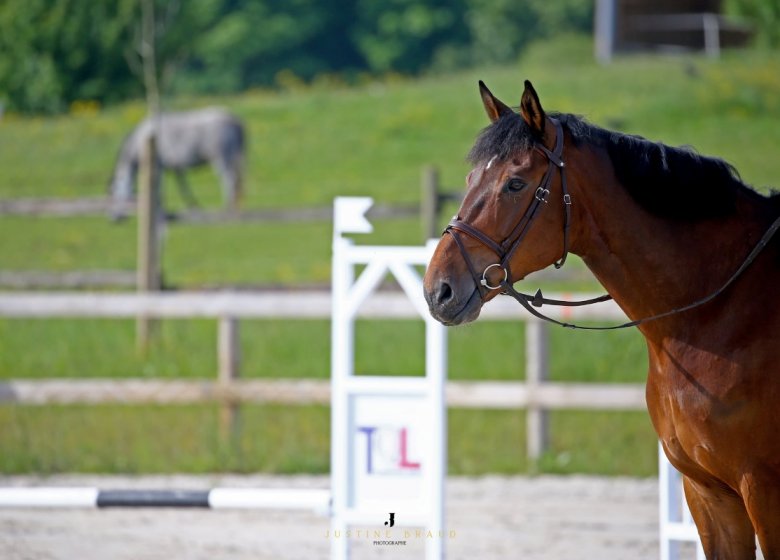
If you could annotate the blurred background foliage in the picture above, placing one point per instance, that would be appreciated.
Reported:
(58, 53)
(763, 14)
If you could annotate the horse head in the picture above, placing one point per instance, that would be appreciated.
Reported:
(504, 229)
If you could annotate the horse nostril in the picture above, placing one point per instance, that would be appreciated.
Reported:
(445, 293)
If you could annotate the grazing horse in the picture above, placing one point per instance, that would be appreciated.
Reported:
(687, 251)
(184, 140)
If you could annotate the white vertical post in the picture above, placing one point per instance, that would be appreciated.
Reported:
(670, 549)
(536, 373)
(675, 522)
(436, 372)
(342, 366)
(604, 31)
(711, 35)
(341, 361)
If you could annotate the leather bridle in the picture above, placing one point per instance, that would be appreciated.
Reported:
(507, 248)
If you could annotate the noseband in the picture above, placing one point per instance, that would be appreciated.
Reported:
(506, 249)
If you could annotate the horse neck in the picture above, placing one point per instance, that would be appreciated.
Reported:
(125, 170)
(128, 153)
(650, 264)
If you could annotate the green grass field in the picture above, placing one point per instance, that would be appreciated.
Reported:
(306, 146)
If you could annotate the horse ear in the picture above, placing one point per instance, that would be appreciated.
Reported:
(493, 106)
(531, 109)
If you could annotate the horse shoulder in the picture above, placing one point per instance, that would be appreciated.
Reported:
(705, 401)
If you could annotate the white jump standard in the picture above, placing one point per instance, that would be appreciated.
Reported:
(388, 441)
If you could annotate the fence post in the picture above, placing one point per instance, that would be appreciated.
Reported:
(229, 369)
(711, 25)
(604, 44)
(429, 202)
(148, 269)
(536, 373)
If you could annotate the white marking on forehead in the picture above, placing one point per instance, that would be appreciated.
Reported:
(491, 162)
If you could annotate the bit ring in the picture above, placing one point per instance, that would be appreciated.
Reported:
(484, 280)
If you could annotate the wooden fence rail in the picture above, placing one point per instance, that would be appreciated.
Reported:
(505, 395)
(103, 206)
(536, 393)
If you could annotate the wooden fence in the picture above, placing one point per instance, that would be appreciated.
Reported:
(536, 393)
(151, 215)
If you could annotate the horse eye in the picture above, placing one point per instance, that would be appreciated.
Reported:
(514, 185)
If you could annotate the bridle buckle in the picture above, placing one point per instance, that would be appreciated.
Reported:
(542, 194)
(484, 280)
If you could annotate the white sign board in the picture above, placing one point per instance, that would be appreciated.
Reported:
(391, 436)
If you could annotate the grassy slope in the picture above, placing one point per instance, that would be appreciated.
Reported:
(306, 147)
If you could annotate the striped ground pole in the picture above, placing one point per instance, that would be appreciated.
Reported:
(215, 498)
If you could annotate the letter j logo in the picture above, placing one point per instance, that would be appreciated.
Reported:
(392, 520)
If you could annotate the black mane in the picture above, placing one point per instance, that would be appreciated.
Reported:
(676, 183)
(505, 136)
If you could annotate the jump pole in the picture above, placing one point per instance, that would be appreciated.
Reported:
(215, 498)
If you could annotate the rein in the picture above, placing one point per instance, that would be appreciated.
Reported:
(506, 249)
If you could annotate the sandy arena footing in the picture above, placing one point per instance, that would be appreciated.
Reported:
(539, 518)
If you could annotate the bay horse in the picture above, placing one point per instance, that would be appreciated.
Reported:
(184, 140)
(685, 249)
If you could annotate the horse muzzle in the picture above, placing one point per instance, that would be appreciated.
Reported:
(452, 302)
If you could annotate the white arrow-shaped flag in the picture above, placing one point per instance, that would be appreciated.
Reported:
(349, 214)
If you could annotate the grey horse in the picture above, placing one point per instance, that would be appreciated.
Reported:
(184, 139)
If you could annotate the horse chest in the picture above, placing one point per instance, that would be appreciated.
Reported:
(702, 404)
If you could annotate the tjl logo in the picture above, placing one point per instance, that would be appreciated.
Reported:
(387, 451)
(392, 520)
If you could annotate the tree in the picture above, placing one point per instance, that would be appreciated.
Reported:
(764, 14)
(246, 43)
(403, 35)
(59, 51)
(56, 53)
